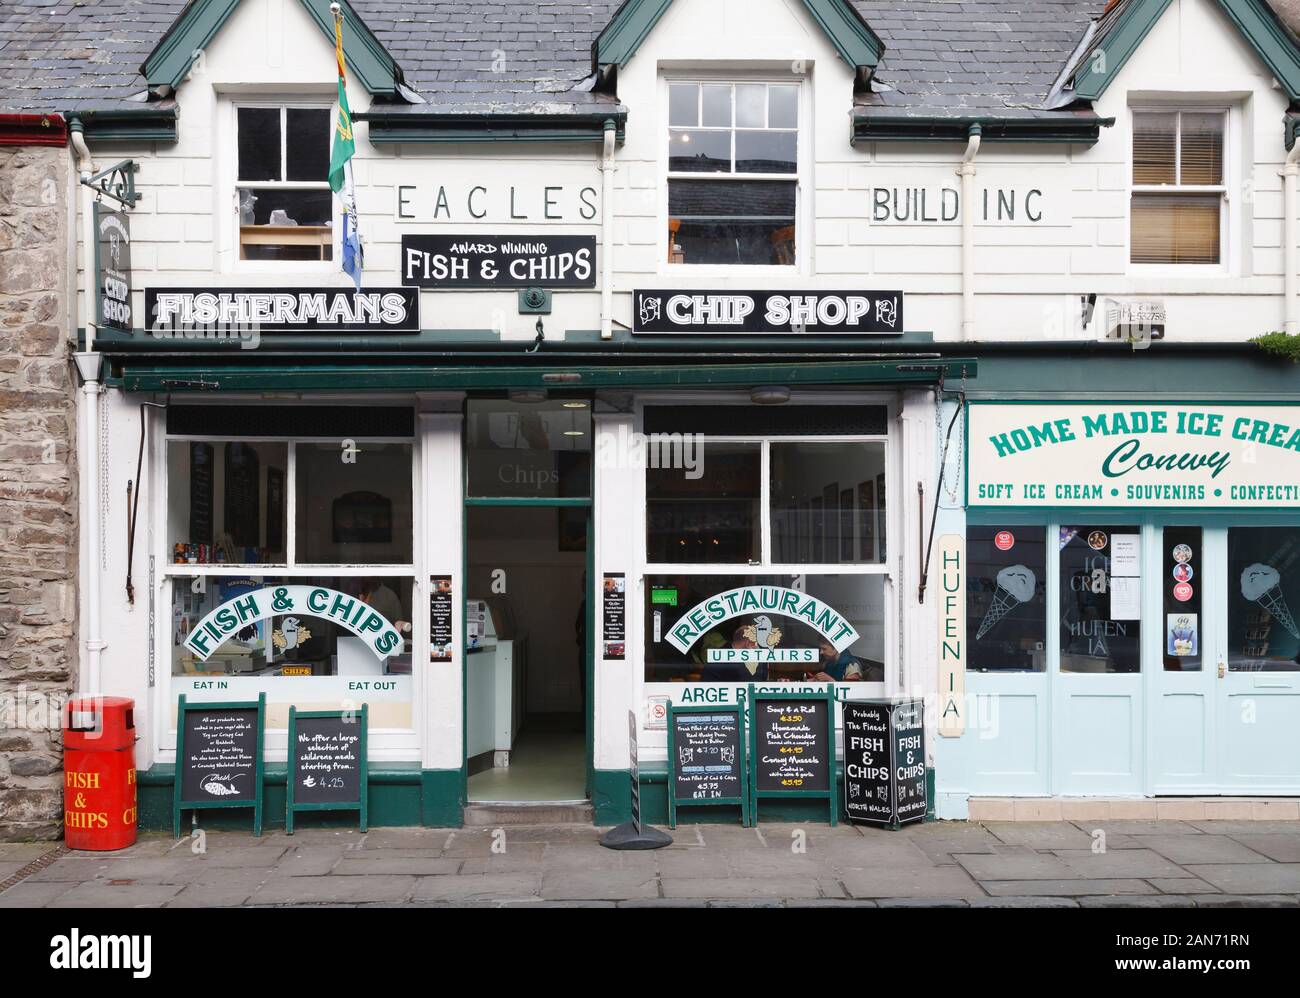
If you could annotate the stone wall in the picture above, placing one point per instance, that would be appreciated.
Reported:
(38, 490)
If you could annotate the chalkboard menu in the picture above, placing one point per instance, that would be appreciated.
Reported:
(884, 761)
(242, 509)
(706, 758)
(792, 745)
(201, 456)
(327, 762)
(219, 757)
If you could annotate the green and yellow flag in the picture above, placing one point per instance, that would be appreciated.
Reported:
(344, 147)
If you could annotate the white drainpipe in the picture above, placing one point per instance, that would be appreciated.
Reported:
(88, 363)
(967, 173)
(1289, 173)
(607, 234)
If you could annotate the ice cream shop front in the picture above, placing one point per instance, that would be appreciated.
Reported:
(1133, 581)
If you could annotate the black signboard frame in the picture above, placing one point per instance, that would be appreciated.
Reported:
(108, 264)
(493, 248)
(650, 313)
(362, 804)
(830, 794)
(890, 708)
(743, 801)
(410, 324)
(179, 803)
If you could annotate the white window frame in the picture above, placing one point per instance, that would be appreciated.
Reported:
(1228, 222)
(386, 744)
(802, 178)
(894, 518)
(238, 263)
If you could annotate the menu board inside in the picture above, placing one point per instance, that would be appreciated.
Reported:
(220, 748)
(706, 763)
(794, 746)
(327, 758)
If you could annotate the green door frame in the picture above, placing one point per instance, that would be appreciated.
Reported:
(589, 628)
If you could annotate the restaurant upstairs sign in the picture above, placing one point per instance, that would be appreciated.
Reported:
(1097, 454)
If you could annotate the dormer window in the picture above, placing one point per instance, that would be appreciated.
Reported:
(283, 200)
(733, 166)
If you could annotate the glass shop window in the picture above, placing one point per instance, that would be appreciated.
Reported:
(533, 448)
(732, 172)
(828, 503)
(765, 628)
(709, 514)
(1100, 589)
(354, 626)
(1179, 191)
(284, 203)
(354, 503)
(1263, 594)
(1006, 598)
(226, 502)
(1183, 556)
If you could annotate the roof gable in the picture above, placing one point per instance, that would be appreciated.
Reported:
(851, 36)
(174, 55)
(1122, 29)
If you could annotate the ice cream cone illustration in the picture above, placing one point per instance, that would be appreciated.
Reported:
(1261, 584)
(1015, 586)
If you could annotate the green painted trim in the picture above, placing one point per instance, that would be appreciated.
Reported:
(144, 125)
(360, 377)
(442, 798)
(1067, 126)
(1254, 19)
(1094, 75)
(172, 58)
(851, 36)
(528, 501)
(611, 796)
(442, 129)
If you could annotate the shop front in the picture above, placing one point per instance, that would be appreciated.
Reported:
(1131, 564)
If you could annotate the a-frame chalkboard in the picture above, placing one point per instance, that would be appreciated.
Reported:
(327, 763)
(219, 757)
(792, 747)
(706, 759)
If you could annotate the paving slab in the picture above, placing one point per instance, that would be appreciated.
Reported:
(1119, 863)
(597, 885)
(1021, 901)
(1139, 901)
(931, 882)
(315, 890)
(362, 865)
(1067, 888)
(311, 861)
(24, 852)
(1023, 865)
(944, 902)
(1279, 847)
(1250, 878)
(30, 895)
(9, 868)
(664, 903)
(1255, 901)
(479, 887)
(1248, 827)
(407, 838)
(154, 869)
(480, 846)
(1121, 829)
(101, 894)
(71, 868)
(739, 887)
(1182, 885)
(225, 891)
(1184, 849)
(1040, 834)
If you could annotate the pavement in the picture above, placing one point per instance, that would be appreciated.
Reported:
(953, 864)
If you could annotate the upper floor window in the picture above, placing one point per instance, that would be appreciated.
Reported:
(733, 169)
(1178, 187)
(285, 205)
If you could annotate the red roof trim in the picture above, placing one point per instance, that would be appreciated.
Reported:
(33, 130)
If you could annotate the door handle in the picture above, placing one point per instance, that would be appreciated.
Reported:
(1223, 669)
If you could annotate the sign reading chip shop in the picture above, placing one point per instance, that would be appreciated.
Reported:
(1130, 453)
(307, 601)
(763, 600)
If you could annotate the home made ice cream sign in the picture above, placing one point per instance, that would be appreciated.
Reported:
(1125, 454)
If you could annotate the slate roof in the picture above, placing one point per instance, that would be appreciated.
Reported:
(978, 57)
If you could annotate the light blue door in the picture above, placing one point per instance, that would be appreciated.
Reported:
(1257, 665)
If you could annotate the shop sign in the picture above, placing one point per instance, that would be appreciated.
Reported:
(456, 262)
(1130, 454)
(339, 608)
(494, 198)
(761, 600)
(952, 634)
(727, 312)
(933, 198)
(195, 311)
(113, 268)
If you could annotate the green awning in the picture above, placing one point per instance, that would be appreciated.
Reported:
(413, 377)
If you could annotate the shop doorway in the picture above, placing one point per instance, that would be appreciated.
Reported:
(526, 689)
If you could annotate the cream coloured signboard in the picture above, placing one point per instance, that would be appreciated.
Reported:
(1126, 454)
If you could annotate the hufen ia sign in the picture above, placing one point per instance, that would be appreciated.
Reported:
(1209, 455)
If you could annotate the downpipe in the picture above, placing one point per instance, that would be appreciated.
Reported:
(966, 171)
(607, 234)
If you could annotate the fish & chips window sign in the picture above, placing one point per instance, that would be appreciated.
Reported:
(1190, 455)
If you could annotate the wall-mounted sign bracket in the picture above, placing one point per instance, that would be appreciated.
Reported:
(117, 182)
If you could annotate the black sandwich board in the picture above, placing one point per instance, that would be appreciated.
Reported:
(219, 757)
(706, 759)
(327, 762)
(792, 747)
(884, 761)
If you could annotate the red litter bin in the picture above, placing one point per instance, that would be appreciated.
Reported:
(99, 773)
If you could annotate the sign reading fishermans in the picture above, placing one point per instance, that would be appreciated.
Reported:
(1129, 453)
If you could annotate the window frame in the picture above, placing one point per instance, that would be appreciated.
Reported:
(801, 178)
(1228, 252)
(235, 184)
